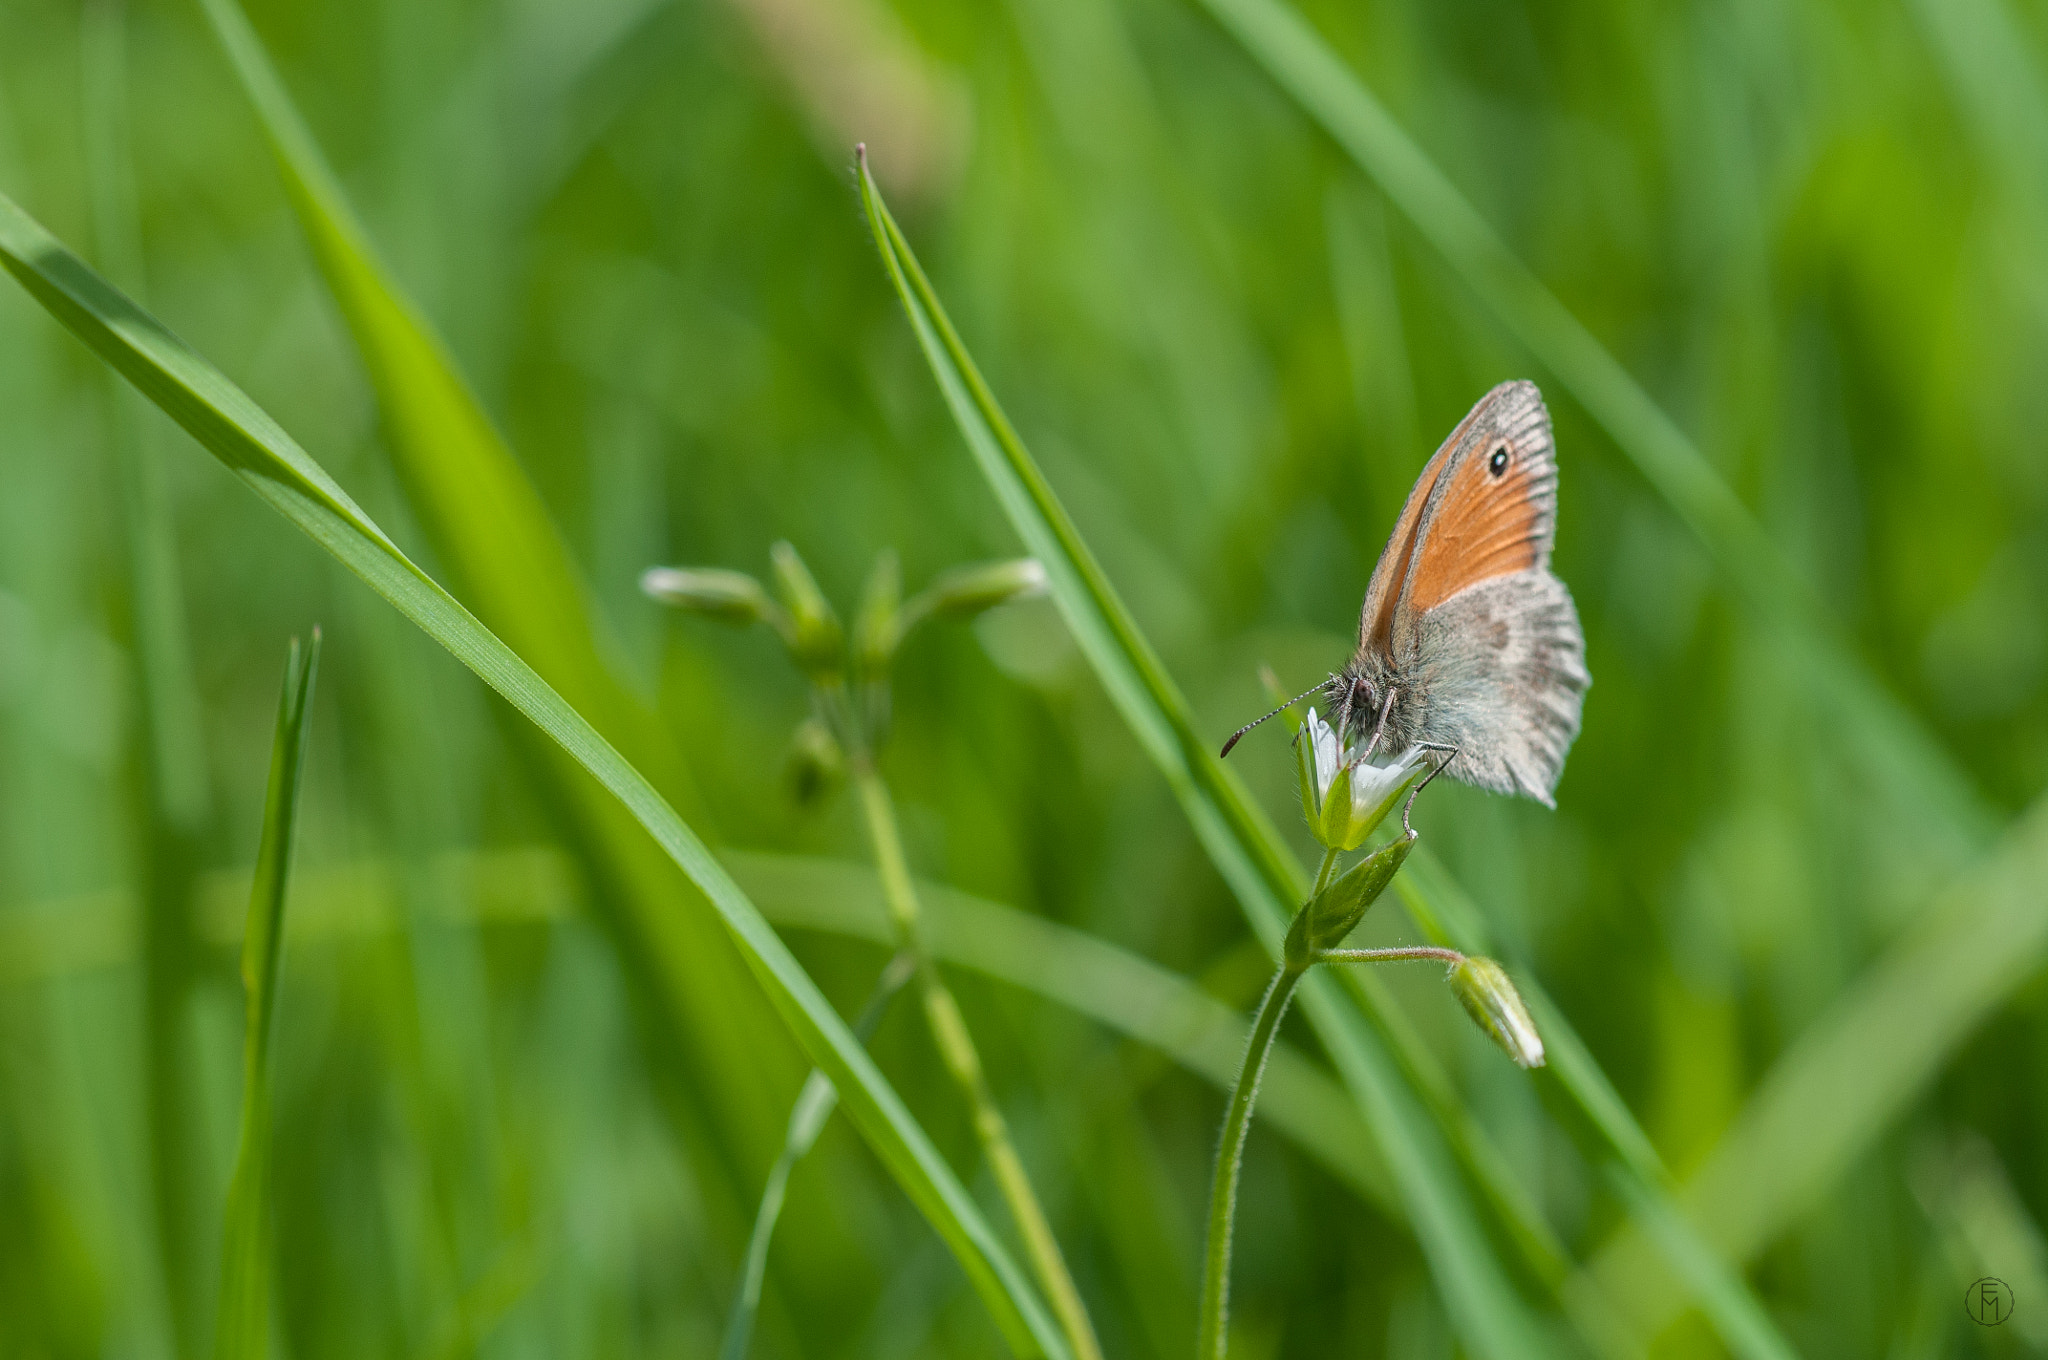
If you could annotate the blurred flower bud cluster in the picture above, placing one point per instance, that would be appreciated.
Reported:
(848, 671)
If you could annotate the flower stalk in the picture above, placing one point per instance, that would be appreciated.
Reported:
(849, 674)
(963, 1064)
(1210, 1341)
(1345, 797)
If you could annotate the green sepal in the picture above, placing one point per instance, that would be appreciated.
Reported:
(817, 641)
(878, 626)
(1337, 910)
(1335, 826)
(1305, 770)
(964, 591)
(817, 765)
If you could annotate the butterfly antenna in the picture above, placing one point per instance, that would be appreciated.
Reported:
(1274, 714)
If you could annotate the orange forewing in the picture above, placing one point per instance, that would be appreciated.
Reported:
(1376, 619)
(1383, 593)
(1482, 526)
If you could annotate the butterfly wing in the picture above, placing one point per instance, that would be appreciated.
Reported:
(1498, 671)
(1376, 619)
(1479, 639)
(1492, 509)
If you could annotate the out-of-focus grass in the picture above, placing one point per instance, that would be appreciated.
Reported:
(224, 421)
(1813, 236)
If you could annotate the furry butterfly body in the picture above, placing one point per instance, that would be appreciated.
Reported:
(1466, 641)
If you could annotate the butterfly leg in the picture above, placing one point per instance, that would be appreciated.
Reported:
(1451, 754)
(1380, 728)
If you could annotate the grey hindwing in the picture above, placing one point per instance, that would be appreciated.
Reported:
(1499, 671)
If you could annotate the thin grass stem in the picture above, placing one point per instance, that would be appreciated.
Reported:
(963, 1063)
(814, 1105)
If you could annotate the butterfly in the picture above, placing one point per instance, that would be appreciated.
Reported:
(1468, 646)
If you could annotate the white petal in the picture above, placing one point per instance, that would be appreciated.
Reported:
(1370, 783)
(1324, 742)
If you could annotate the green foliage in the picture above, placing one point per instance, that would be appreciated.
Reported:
(561, 292)
(222, 419)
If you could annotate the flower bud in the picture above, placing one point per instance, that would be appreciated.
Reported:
(728, 596)
(1483, 988)
(816, 640)
(963, 592)
(875, 627)
(816, 764)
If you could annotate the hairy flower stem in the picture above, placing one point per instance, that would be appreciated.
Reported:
(1420, 951)
(1210, 1341)
(957, 1051)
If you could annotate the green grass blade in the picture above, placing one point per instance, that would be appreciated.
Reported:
(1744, 1326)
(1091, 977)
(1121, 991)
(814, 1105)
(488, 525)
(487, 521)
(1303, 65)
(242, 1330)
(1240, 840)
(1854, 1070)
(1439, 907)
(253, 446)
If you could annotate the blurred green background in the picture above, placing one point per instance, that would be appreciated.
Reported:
(1803, 934)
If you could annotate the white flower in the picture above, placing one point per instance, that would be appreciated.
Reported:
(1343, 795)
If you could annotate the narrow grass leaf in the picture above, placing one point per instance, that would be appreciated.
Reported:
(1242, 842)
(1091, 977)
(1439, 907)
(488, 525)
(242, 1329)
(814, 1105)
(1744, 1326)
(1852, 1072)
(253, 446)
(487, 521)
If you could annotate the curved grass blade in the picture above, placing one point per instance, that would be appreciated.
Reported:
(483, 514)
(1302, 65)
(254, 447)
(488, 525)
(1438, 906)
(814, 1105)
(1119, 990)
(242, 1330)
(1745, 1327)
(1236, 834)
(1852, 1071)
(1090, 977)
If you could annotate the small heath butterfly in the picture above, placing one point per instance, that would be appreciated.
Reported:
(1468, 646)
